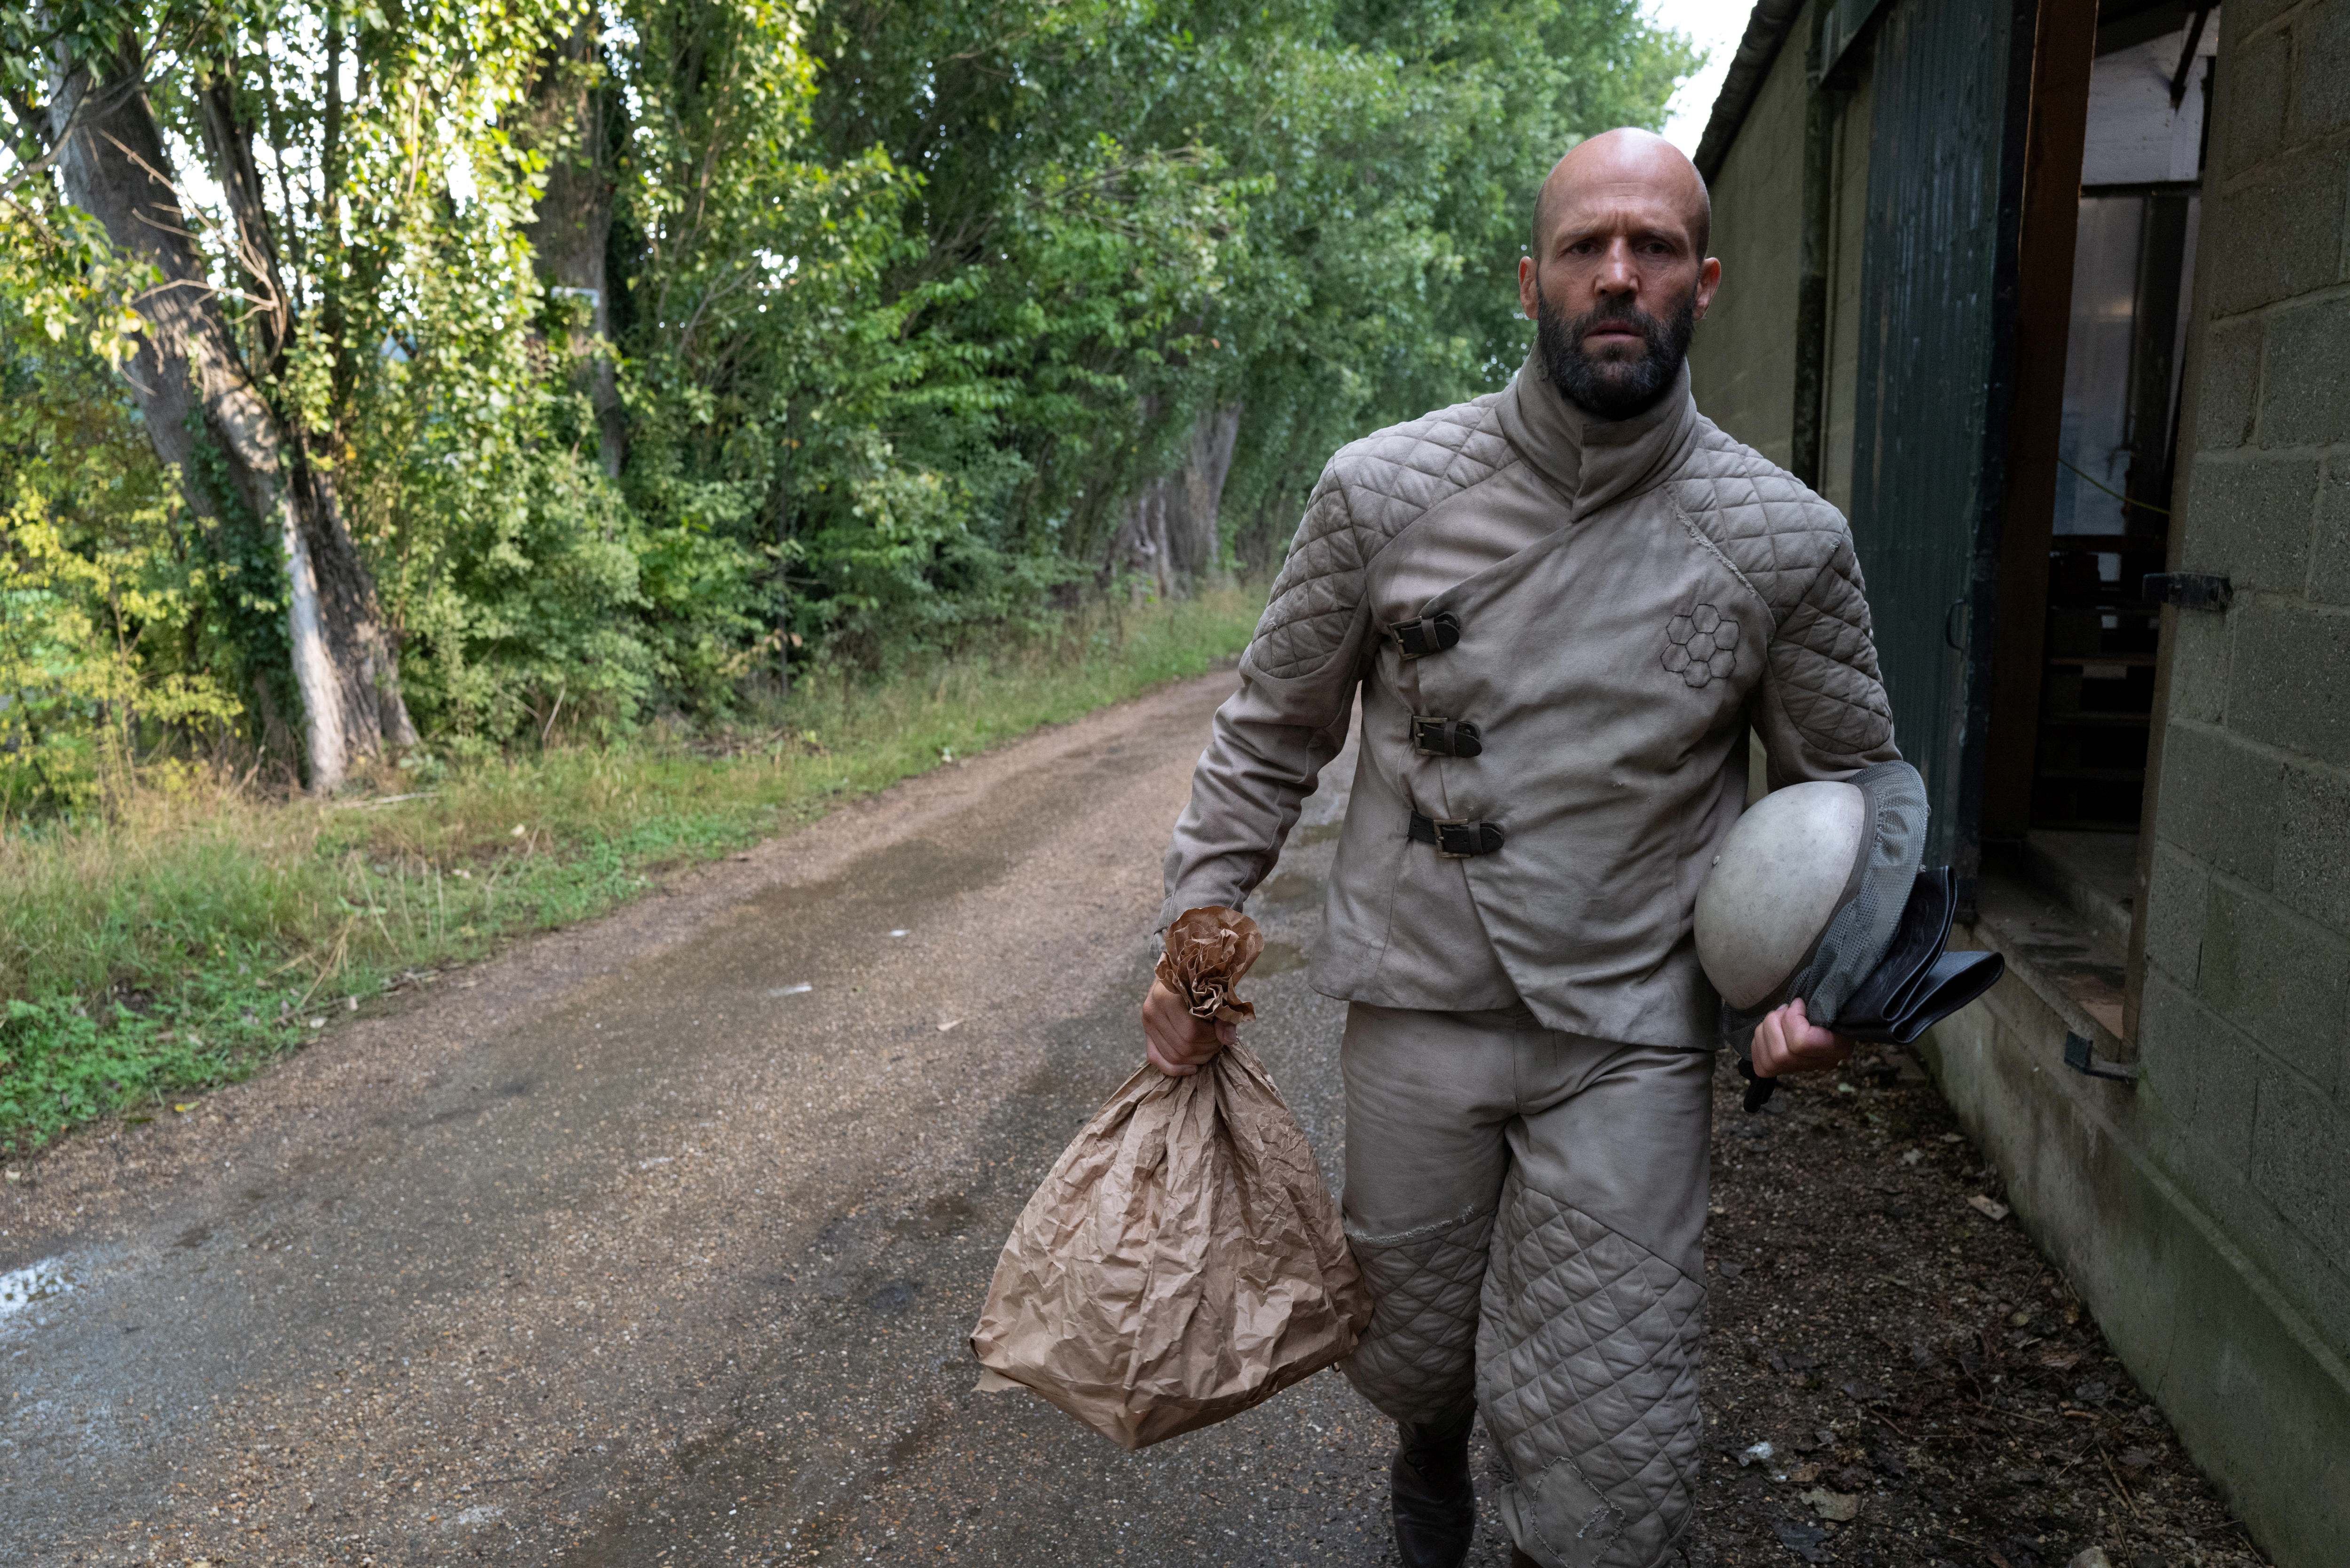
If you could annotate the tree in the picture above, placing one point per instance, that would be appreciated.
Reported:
(574, 120)
(195, 384)
(530, 367)
(1170, 534)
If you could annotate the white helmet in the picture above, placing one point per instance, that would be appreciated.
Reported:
(1817, 894)
(1783, 874)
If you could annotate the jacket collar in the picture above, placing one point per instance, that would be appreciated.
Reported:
(1589, 461)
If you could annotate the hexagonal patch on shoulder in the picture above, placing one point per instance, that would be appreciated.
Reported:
(1702, 645)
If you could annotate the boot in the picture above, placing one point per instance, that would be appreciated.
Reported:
(1435, 1504)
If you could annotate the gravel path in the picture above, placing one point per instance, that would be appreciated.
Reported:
(655, 1243)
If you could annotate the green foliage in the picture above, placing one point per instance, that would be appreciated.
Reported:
(105, 653)
(908, 300)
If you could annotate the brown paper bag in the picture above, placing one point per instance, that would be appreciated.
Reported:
(1183, 1261)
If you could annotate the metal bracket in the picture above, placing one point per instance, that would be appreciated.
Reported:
(2081, 1055)
(2188, 590)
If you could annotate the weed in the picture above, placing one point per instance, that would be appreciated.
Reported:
(192, 933)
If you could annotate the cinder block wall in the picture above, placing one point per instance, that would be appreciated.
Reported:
(2245, 1028)
(2204, 1212)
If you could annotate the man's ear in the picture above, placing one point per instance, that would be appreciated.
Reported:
(1708, 279)
(1529, 301)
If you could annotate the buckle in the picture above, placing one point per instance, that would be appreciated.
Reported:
(1423, 635)
(1456, 839)
(1432, 736)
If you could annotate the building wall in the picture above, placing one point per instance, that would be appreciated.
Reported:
(2204, 1212)
(2245, 1024)
(1851, 211)
(1742, 359)
(2256, 1392)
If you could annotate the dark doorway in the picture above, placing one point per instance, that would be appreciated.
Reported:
(2134, 255)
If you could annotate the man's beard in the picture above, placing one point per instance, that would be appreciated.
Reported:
(1603, 385)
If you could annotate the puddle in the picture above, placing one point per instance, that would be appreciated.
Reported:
(949, 1214)
(1278, 958)
(894, 1297)
(1284, 888)
(24, 1290)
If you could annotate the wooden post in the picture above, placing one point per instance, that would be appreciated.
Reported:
(2062, 51)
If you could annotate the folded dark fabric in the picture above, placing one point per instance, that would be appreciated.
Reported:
(1917, 984)
(1955, 980)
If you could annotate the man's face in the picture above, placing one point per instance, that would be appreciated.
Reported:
(1616, 290)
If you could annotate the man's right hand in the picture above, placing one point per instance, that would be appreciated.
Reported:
(1178, 1043)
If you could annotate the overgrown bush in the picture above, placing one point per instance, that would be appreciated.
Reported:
(902, 302)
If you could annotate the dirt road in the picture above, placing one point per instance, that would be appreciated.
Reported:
(656, 1241)
(659, 1239)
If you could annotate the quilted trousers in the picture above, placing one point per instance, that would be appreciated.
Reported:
(1529, 1208)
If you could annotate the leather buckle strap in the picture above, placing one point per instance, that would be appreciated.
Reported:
(1423, 635)
(1435, 737)
(1455, 839)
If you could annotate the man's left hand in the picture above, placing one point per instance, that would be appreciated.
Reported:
(1787, 1041)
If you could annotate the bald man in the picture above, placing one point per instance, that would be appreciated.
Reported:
(1561, 605)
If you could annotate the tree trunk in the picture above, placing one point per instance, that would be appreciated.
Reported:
(1169, 531)
(572, 230)
(187, 376)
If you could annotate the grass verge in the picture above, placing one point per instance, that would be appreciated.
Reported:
(192, 937)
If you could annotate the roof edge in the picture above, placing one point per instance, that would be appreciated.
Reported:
(1758, 50)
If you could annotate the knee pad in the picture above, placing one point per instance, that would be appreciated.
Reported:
(1417, 1362)
(1588, 1369)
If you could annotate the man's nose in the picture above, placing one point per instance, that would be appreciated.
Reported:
(1617, 273)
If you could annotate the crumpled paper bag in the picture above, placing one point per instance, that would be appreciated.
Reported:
(1209, 952)
(1183, 1261)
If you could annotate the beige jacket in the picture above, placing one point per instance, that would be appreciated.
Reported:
(1629, 596)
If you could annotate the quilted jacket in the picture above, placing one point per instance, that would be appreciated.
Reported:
(1628, 597)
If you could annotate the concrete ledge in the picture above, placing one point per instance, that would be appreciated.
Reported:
(2090, 873)
(2259, 1399)
(2071, 964)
